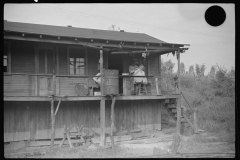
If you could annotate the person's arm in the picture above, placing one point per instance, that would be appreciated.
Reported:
(96, 78)
(137, 71)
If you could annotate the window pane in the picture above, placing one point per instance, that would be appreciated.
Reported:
(81, 71)
(71, 71)
(77, 56)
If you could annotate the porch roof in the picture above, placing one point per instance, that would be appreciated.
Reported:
(81, 33)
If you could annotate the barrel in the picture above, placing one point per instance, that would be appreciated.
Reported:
(111, 82)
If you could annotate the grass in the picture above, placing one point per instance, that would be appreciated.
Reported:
(215, 114)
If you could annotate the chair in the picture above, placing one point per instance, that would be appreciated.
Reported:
(141, 88)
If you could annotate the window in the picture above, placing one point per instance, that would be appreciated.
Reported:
(6, 57)
(76, 61)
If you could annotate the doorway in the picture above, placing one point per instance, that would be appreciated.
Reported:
(115, 61)
(46, 66)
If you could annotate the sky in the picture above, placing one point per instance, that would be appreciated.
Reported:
(182, 23)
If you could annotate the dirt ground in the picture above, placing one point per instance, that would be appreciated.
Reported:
(198, 143)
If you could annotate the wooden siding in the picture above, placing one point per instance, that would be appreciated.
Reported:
(22, 57)
(19, 85)
(67, 85)
(32, 120)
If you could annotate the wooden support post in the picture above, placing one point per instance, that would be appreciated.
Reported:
(102, 122)
(156, 81)
(195, 122)
(101, 70)
(36, 69)
(53, 123)
(112, 119)
(179, 98)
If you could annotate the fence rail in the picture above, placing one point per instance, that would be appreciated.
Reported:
(156, 81)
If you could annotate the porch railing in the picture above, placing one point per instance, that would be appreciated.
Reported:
(159, 84)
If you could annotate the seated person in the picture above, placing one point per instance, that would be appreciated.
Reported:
(133, 67)
(139, 80)
(98, 80)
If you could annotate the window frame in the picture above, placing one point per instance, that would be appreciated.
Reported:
(85, 59)
(8, 56)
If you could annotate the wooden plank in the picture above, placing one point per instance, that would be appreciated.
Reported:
(53, 123)
(112, 119)
(116, 139)
(102, 122)
(78, 98)
(179, 99)
(148, 140)
(101, 70)
(36, 68)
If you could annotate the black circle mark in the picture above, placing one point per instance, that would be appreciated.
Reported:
(215, 15)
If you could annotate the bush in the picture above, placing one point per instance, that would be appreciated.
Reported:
(217, 115)
(187, 81)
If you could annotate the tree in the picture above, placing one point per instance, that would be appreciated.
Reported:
(114, 28)
(212, 72)
(200, 69)
(191, 69)
(182, 68)
(167, 67)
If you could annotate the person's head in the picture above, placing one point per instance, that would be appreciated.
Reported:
(141, 66)
(136, 62)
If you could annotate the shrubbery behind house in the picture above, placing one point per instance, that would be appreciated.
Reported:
(213, 96)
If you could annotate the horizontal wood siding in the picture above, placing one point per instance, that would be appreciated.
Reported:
(32, 120)
(22, 57)
(19, 85)
(67, 85)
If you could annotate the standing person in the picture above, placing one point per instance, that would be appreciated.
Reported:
(139, 80)
(132, 69)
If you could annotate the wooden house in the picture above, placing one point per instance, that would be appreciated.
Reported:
(43, 64)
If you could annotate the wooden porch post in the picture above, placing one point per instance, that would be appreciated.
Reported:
(102, 122)
(53, 123)
(177, 137)
(101, 70)
(112, 119)
(102, 105)
(179, 98)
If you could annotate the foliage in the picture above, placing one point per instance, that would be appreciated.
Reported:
(182, 68)
(224, 83)
(212, 72)
(114, 28)
(214, 98)
(167, 66)
(191, 69)
(200, 69)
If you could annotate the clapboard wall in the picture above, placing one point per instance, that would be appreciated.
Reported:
(32, 120)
